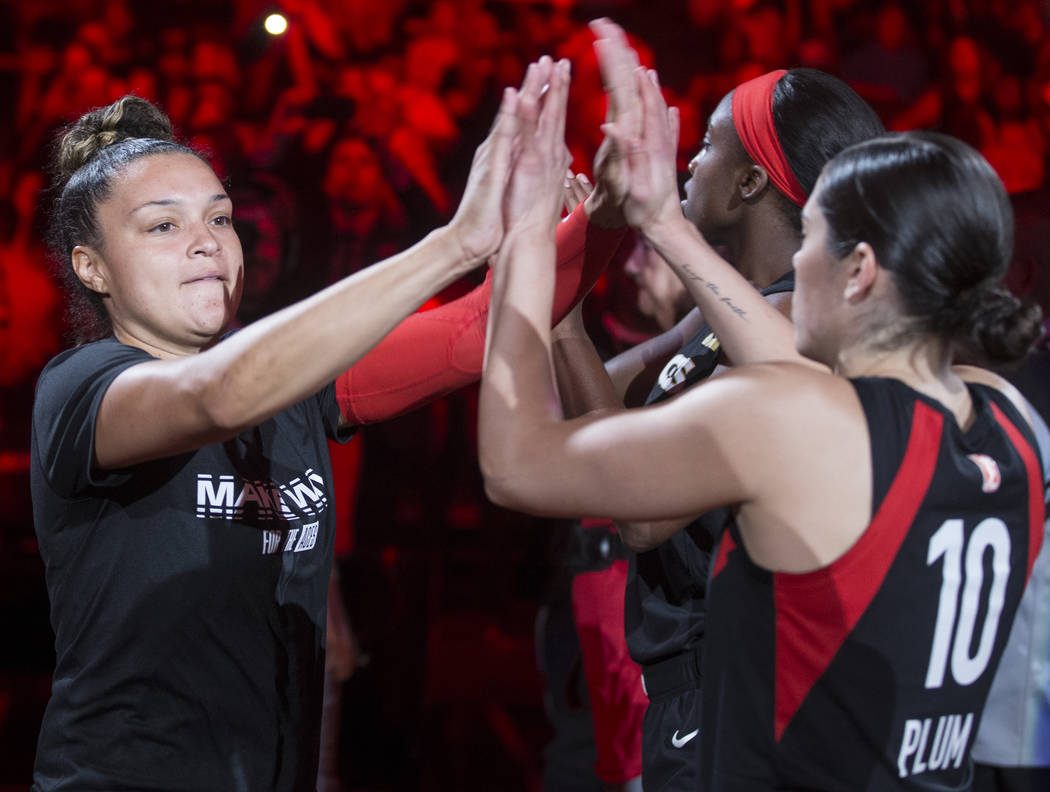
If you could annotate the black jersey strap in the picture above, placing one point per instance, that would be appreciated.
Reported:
(698, 357)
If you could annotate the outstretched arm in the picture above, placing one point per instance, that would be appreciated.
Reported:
(531, 458)
(165, 407)
(431, 354)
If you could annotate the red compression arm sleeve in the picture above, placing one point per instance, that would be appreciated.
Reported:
(432, 353)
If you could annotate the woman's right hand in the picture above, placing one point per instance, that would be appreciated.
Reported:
(617, 62)
(478, 225)
(535, 193)
(641, 135)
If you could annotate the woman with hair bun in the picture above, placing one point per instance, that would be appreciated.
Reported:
(180, 475)
(886, 506)
(760, 157)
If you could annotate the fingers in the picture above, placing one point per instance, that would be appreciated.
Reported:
(497, 150)
(577, 188)
(505, 127)
(655, 118)
(555, 102)
(617, 62)
(537, 77)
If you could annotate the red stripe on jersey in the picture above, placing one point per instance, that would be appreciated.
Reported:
(815, 611)
(1036, 506)
(725, 547)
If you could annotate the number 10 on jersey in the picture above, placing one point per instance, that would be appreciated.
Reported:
(963, 568)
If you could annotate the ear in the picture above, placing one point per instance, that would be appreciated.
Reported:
(88, 266)
(753, 182)
(863, 268)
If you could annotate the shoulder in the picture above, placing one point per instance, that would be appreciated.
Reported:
(980, 376)
(72, 384)
(68, 370)
(799, 377)
(789, 404)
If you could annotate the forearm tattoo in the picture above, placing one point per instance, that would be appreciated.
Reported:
(713, 288)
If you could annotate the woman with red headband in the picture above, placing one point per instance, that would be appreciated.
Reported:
(886, 505)
(764, 147)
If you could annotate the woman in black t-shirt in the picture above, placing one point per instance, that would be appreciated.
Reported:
(182, 491)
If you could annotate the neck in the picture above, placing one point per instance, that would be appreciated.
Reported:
(925, 366)
(761, 246)
(159, 348)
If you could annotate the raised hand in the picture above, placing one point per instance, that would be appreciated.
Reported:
(650, 157)
(478, 223)
(534, 195)
(617, 62)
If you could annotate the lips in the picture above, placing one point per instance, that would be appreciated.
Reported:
(206, 277)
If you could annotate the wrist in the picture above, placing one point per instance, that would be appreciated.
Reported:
(571, 328)
(528, 234)
(665, 225)
(451, 242)
(602, 212)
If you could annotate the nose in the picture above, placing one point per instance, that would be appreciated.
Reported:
(692, 164)
(205, 242)
(632, 267)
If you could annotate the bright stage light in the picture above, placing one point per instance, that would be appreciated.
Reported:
(275, 24)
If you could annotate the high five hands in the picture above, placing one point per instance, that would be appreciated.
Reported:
(533, 200)
(517, 179)
(636, 164)
(512, 183)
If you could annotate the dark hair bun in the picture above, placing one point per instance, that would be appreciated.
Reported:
(993, 327)
(128, 117)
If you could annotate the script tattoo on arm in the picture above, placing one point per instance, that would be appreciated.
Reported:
(713, 288)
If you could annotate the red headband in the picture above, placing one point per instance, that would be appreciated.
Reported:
(753, 119)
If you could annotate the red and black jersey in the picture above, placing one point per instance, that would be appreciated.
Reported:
(871, 673)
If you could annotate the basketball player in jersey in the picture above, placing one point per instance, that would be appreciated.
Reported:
(760, 157)
(886, 506)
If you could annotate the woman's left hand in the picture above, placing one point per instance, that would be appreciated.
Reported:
(535, 193)
(479, 222)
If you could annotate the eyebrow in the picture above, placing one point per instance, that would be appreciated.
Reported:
(173, 202)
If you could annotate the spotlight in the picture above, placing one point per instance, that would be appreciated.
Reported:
(275, 24)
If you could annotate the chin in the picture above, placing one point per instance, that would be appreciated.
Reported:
(213, 324)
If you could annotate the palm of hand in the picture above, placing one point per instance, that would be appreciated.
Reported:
(480, 221)
(536, 184)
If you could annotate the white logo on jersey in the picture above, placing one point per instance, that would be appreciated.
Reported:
(947, 748)
(226, 496)
(295, 540)
(675, 370)
(678, 742)
(991, 478)
(230, 498)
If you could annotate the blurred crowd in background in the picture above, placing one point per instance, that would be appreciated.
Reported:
(346, 139)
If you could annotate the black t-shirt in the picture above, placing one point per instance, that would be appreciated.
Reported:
(665, 605)
(871, 673)
(187, 595)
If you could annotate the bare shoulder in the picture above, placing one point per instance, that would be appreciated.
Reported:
(797, 376)
(982, 376)
(799, 437)
(780, 401)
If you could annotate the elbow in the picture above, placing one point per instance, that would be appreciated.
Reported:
(497, 491)
(637, 537)
(498, 483)
(505, 486)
